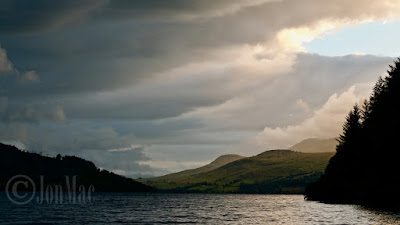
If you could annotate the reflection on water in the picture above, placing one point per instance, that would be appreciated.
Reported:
(194, 208)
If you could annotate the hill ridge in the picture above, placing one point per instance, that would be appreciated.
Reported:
(272, 171)
(218, 162)
(316, 145)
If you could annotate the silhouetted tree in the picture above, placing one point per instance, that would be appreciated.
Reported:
(365, 168)
(351, 129)
(365, 111)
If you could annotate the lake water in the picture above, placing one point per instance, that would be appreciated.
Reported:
(131, 208)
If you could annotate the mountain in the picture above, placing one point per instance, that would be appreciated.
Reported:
(315, 145)
(365, 169)
(220, 161)
(277, 171)
(16, 162)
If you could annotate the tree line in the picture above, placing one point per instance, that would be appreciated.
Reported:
(366, 166)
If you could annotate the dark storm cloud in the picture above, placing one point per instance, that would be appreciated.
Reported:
(36, 16)
(30, 113)
(104, 53)
(154, 10)
(33, 16)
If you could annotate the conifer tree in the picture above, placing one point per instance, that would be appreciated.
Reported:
(366, 168)
(351, 129)
(365, 112)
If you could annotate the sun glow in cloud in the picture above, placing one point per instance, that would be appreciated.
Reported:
(293, 39)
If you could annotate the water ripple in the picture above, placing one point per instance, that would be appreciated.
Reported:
(130, 208)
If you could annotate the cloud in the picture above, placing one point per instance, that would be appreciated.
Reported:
(3, 104)
(291, 96)
(33, 113)
(147, 47)
(5, 64)
(29, 77)
(47, 15)
(11, 77)
(173, 10)
(302, 104)
(326, 122)
(28, 16)
(127, 162)
(82, 139)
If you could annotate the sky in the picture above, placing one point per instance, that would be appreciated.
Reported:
(145, 88)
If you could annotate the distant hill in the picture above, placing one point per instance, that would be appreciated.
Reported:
(278, 171)
(220, 161)
(16, 162)
(316, 145)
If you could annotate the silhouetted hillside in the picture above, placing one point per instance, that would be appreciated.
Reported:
(365, 168)
(278, 171)
(16, 162)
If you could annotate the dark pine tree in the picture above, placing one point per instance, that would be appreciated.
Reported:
(366, 168)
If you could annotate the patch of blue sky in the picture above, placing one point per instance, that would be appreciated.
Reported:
(375, 38)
